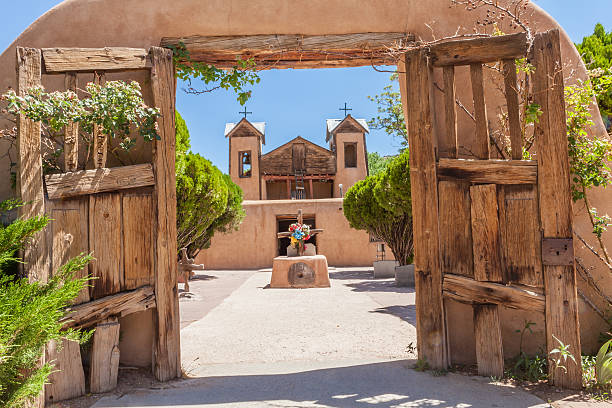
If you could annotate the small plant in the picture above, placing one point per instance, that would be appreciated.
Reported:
(603, 364)
(558, 356)
(421, 365)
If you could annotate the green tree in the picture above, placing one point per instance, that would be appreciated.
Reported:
(390, 116)
(377, 163)
(596, 51)
(30, 313)
(207, 200)
(382, 206)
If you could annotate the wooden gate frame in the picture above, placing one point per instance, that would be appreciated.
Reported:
(559, 302)
(31, 65)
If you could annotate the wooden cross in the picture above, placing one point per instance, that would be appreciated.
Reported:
(345, 109)
(245, 113)
(300, 220)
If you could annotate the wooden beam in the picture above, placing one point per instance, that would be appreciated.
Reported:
(489, 171)
(86, 182)
(326, 177)
(447, 145)
(167, 349)
(489, 349)
(485, 233)
(555, 204)
(470, 291)
(455, 231)
(481, 145)
(479, 50)
(431, 330)
(512, 102)
(294, 50)
(121, 304)
(71, 135)
(94, 59)
(100, 140)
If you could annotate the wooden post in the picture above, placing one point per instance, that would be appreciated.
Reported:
(555, 205)
(71, 135)
(167, 351)
(447, 145)
(311, 189)
(481, 145)
(67, 380)
(30, 175)
(489, 350)
(104, 356)
(100, 140)
(431, 331)
(485, 233)
(288, 189)
(512, 102)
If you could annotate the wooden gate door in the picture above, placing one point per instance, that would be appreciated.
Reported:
(491, 233)
(125, 216)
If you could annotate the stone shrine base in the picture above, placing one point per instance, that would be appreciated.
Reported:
(300, 272)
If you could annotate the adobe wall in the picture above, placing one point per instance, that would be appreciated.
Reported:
(347, 176)
(342, 245)
(250, 185)
(142, 23)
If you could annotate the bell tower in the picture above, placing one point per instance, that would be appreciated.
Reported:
(245, 145)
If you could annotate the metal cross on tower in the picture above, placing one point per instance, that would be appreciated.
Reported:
(245, 113)
(345, 109)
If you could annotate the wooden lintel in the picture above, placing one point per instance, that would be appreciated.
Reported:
(489, 171)
(294, 50)
(470, 291)
(122, 304)
(479, 50)
(292, 177)
(87, 182)
(58, 60)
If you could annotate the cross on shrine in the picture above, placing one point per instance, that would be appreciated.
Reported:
(245, 113)
(345, 109)
(300, 220)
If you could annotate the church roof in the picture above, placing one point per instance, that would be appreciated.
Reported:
(259, 126)
(332, 124)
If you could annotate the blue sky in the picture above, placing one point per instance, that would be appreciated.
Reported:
(297, 102)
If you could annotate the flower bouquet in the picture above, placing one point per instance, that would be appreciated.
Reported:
(300, 233)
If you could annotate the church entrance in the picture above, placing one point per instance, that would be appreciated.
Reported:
(283, 222)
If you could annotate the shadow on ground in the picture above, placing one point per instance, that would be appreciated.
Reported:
(406, 313)
(387, 384)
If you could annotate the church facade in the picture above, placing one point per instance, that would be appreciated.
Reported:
(298, 175)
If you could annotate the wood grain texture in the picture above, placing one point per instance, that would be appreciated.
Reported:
(138, 243)
(167, 350)
(105, 244)
(485, 233)
(294, 50)
(431, 330)
(121, 304)
(512, 103)
(480, 148)
(447, 144)
(489, 171)
(29, 167)
(100, 140)
(86, 182)
(71, 132)
(520, 235)
(479, 50)
(555, 202)
(94, 59)
(67, 380)
(104, 359)
(470, 291)
(455, 231)
(69, 219)
(489, 348)
(317, 160)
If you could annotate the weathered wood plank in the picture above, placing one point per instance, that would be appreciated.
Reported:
(480, 148)
(71, 134)
(489, 349)
(100, 140)
(138, 244)
(105, 243)
(555, 203)
(294, 50)
(512, 103)
(520, 235)
(94, 59)
(86, 182)
(447, 145)
(69, 220)
(167, 349)
(67, 380)
(479, 50)
(489, 171)
(485, 233)
(470, 291)
(455, 231)
(428, 276)
(121, 304)
(104, 365)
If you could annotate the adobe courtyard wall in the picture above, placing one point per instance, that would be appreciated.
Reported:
(142, 23)
(255, 244)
